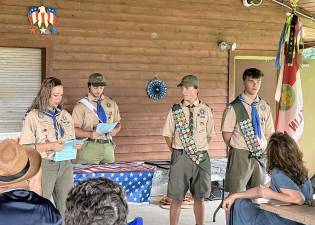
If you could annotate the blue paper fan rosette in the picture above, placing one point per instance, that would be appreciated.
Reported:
(157, 89)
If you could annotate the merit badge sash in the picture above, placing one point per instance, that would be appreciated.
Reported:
(185, 135)
(247, 129)
(85, 101)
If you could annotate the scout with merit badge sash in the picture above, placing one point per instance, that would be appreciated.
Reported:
(250, 129)
(186, 137)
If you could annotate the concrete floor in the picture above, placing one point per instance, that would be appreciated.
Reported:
(153, 214)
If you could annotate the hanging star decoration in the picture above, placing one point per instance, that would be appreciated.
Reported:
(42, 17)
(157, 89)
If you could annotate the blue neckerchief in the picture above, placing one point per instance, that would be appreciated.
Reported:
(101, 112)
(57, 125)
(255, 117)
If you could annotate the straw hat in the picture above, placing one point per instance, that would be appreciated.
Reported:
(17, 163)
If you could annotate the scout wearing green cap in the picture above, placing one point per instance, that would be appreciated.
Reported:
(87, 114)
(188, 129)
(189, 81)
(97, 79)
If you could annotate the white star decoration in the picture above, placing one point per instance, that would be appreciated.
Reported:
(43, 30)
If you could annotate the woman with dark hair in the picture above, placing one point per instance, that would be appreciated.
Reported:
(289, 183)
(46, 126)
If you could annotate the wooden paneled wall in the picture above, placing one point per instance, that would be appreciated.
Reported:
(132, 40)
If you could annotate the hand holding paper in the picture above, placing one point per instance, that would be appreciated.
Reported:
(105, 127)
(69, 152)
(72, 143)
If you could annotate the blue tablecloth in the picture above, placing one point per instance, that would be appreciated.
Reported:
(135, 178)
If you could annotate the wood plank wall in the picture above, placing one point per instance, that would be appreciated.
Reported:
(132, 40)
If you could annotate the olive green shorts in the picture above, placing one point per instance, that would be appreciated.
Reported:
(185, 174)
(96, 153)
(242, 171)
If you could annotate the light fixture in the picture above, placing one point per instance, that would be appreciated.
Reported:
(248, 3)
(227, 45)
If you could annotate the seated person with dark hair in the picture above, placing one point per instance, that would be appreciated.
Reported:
(97, 201)
(289, 184)
(18, 205)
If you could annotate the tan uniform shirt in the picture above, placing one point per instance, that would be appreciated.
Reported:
(203, 125)
(38, 128)
(85, 119)
(229, 123)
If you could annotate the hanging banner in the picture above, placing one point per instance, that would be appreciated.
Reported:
(289, 117)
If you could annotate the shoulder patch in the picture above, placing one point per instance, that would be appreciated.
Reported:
(176, 107)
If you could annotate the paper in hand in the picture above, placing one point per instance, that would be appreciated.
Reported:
(69, 152)
(71, 143)
(104, 128)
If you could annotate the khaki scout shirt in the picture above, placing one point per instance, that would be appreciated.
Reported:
(85, 119)
(203, 125)
(229, 123)
(38, 128)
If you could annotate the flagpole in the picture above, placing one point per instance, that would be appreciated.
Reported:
(312, 18)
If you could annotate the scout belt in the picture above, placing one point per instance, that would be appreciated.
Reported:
(99, 141)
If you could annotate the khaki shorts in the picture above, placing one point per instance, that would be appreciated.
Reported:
(185, 174)
(242, 172)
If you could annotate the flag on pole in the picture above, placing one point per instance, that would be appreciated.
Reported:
(289, 116)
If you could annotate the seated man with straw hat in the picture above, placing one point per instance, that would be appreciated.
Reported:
(18, 205)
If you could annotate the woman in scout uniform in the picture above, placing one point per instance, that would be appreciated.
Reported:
(289, 184)
(187, 131)
(247, 124)
(46, 126)
(91, 110)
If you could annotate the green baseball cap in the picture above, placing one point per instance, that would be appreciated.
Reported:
(97, 79)
(189, 81)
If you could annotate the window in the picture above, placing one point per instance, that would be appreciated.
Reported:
(20, 79)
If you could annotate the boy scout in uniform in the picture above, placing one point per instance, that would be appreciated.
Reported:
(187, 131)
(46, 126)
(87, 114)
(246, 125)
